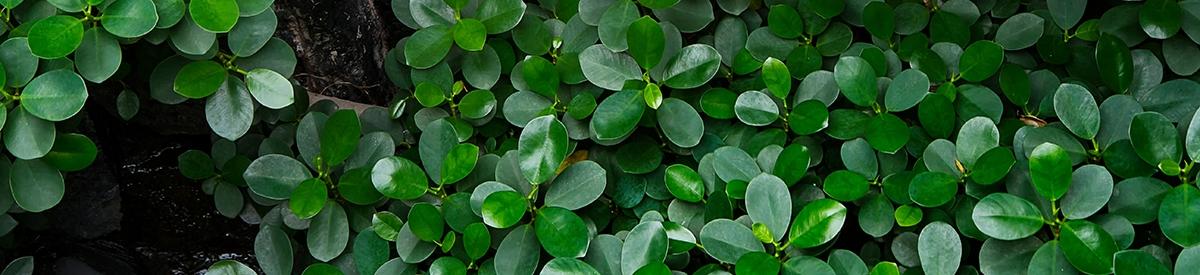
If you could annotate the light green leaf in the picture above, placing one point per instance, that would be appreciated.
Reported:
(768, 202)
(55, 96)
(1006, 217)
(940, 249)
(1020, 31)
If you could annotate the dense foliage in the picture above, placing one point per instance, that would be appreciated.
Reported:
(53, 50)
(712, 137)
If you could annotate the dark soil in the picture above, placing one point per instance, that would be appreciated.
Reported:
(132, 212)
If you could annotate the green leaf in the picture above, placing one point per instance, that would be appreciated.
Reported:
(253, 7)
(757, 263)
(275, 176)
(887, 133)
(1138, 262)
(976, 137)
(270, 88)
(768, 202)
(817, 223)
(755, 108)
(807, 265)
(428, 46)
(980, 60)
(577, 186)
(1176, 215)
(680, 123)
(273, 250)
(459, 163)
(645, 245)
(429, 94)
(1160, 19)
(229, 111)
(1154, 138)
(321, 269)
(230, 267)
(658, 4)
(1020, 31)
(856, 79)
(476, 240)
(1188, 259)
(370, 252)
(561, 233)
(1006, 217)
(777, 78)
(542, 148)
(199, 79)
(1066, 13)
(1050, 170)
(541, 76)
(20, 65)
(933, 189)
(727, 241)
(1049, 259)
(504, 209)
(1091, 188)
(614, 24)
(399, 178)
(309, 198)
(607, 69)
(56, 36)
(940, 249)
(879, 20)
(568, 266)
(1114, 62)
(908, 89)
(785, 22)
(386, 225)
(684, 183)
(71, 152)
(648, 50)
(339, 136)
(792, 163)
(252, 33)
(35, 185)
(130, 18)
(500, 15)
(329, 233)
(693, 66)
(477, 104)
(617, 116)
(98, 56)
(808, 117)
(845, 185)
(195, 164)
(825, 8)
(55, 96)
(718, 103)
(1077, 109)
(1087, 246)
(216, 16)
(426, 222)
(469, 34)
(885, 268)
(876, 216)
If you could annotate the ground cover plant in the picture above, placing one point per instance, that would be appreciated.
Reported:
(715, 137)
(53, 50)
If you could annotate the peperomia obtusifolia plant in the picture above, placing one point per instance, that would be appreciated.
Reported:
(752, 137)
(52, 50)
